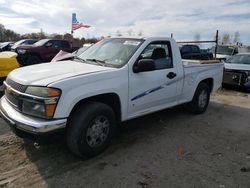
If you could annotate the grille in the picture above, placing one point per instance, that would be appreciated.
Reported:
(12, 99)
(16, 86)
(232, 78)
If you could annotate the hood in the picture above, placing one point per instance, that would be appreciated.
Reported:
(232, 66)
(46, 73)
(7, 54)
(222, 56)
(25, 47)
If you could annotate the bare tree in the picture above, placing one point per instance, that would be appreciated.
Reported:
(226, 39)
(197, 37)
(58, 37)
(42, 34)
(130, 32)
(140, 33)
(236, 37)
(67, 36)
(1, 32)
(118, 33)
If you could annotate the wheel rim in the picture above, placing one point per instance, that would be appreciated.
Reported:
(202, 102)
(98, 131)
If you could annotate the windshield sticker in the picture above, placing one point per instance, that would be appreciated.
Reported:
(131, 42)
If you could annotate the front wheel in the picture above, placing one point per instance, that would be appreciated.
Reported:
(200, 99)
(33, 60)
(90, 129)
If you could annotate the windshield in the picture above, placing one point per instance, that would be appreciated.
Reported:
(41, 42)
(113, 52)
(4, 44)
(224, 50)
(19, 42)
(80, 50)
(239, 59)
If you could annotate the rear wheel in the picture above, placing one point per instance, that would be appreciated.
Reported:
(200, 100)
(90, 129)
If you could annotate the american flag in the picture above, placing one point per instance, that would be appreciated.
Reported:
(76, 25)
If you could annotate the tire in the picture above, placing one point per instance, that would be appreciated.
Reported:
(90, 129)
(200, 99)
(33, 60)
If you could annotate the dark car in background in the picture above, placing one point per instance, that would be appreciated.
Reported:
(5, 46)
(65, 55)
(191, 51)
(42, 51)
(23, 42)
(237, 71)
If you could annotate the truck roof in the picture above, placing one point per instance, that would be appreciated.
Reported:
(145, 38)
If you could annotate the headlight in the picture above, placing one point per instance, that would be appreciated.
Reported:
(21, 51)
(43, 91)
(43, 103)
(248, 76)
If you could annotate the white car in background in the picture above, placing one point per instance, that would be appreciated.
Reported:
(237, 71)
(224, 52)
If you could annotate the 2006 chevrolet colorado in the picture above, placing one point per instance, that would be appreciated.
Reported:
(115, 80)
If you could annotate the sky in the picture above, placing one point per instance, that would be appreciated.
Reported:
(183, 18)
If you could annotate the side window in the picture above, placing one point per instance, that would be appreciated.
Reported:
(161, 53)
(195, 49)
(57, 44)
(50, 43)
(65, 44)
(54, 43)
(186, 49)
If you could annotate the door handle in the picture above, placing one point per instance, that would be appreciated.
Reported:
(171, 75)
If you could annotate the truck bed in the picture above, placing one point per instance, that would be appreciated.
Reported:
(187, 62)
(200, 70)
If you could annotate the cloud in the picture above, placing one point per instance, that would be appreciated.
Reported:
(184, 18)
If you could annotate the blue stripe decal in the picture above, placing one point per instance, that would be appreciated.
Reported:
(168, 84)
(147, 92)
(155, 89)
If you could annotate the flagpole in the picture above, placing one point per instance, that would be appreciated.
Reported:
(72, 32)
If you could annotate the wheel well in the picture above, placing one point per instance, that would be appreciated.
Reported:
(110, 99)
(35, 54)
(209, 82)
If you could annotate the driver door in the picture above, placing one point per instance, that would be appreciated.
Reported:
(153, 90)
(51, 49)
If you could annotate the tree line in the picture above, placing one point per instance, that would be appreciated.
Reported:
(225, 39)
(9, 35)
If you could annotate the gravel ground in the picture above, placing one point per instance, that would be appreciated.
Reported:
(171, 148)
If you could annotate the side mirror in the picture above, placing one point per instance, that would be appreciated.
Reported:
(49, 44)
(144, 65)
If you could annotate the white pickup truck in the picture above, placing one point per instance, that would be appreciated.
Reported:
(115, 80)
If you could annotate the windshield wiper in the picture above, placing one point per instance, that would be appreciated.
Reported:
(78, 58)
(99, 62)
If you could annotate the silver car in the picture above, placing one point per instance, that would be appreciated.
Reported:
(237, 70)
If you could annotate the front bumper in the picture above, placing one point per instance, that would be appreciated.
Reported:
(27, 124)
(236, 78)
